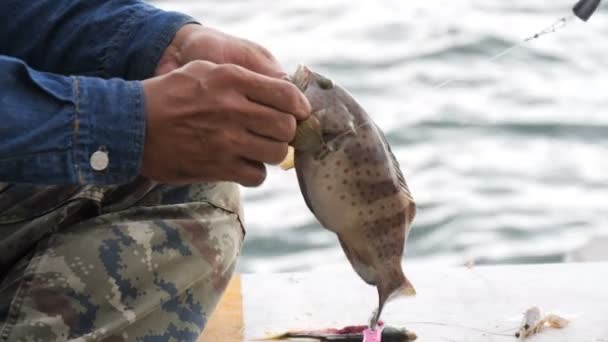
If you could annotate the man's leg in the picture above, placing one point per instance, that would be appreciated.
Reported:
(152, 271)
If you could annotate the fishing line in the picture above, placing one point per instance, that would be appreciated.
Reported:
(559, 24)
(583, 10)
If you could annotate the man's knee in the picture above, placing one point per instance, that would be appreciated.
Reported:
(225, 195)
(155, 269)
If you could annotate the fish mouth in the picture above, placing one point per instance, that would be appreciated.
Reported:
(301, 77)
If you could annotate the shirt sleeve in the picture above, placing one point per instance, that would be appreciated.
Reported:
(58, 129)
(103, 38)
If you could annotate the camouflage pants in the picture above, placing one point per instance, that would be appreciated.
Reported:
(139, 262)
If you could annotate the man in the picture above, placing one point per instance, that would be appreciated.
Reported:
(124, 131)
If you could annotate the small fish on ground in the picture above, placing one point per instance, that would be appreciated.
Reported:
(346, 334)
(352, 183)
(534, 321)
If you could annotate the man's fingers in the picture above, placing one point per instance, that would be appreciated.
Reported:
(260, 60)
(276, 93)
(268, 122)
(261, 149)
(249, 173)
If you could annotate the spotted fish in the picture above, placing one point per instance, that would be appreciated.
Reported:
(352, 183)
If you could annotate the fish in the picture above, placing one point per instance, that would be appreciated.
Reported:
(347, 334)
(534, 321)
(352, 183)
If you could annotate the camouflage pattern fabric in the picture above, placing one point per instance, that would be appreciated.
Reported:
(140, 262)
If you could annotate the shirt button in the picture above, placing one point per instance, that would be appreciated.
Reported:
(100, 160)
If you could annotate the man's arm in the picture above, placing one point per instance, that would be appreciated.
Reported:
(51, 126)
(204, 121)
(105, 38)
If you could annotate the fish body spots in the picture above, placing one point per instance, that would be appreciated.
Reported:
(388, 233)
(373, 191)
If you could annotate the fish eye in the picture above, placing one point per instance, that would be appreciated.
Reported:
(325, 83)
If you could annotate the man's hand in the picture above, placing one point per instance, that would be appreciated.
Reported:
(195, 42)
(210, 122)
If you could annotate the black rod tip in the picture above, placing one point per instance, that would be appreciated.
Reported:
(584, 9)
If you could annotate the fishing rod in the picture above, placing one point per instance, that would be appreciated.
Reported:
(582, 10)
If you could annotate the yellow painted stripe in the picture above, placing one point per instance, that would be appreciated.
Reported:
(226, 323)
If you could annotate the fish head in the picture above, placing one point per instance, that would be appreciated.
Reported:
(334, 111)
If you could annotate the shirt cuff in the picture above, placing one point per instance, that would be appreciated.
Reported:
(109, 130)
(147, 35)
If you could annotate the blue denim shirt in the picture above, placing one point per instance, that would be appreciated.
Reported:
(69, 72)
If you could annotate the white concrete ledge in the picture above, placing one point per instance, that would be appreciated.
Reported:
(453, 304)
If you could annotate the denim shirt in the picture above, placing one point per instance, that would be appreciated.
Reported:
(69, 87)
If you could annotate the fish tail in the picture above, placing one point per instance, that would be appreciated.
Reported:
(406, 289)
(394, 285)
(284, 336)
(273, 337)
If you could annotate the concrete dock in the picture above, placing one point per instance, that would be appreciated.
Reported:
(453, 304)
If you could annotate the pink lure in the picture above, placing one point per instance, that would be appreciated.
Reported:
(370, 335)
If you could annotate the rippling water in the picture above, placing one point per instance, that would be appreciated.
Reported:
(508, 165)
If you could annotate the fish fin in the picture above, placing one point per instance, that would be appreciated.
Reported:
(408, 289)
(355, 262)
(288, 162)
(304, 190)
(273, 337)
(402, 183)
(317, 334)
(556, 321)
(396, 167)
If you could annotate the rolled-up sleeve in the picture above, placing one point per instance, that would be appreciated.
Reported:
(72, 109)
